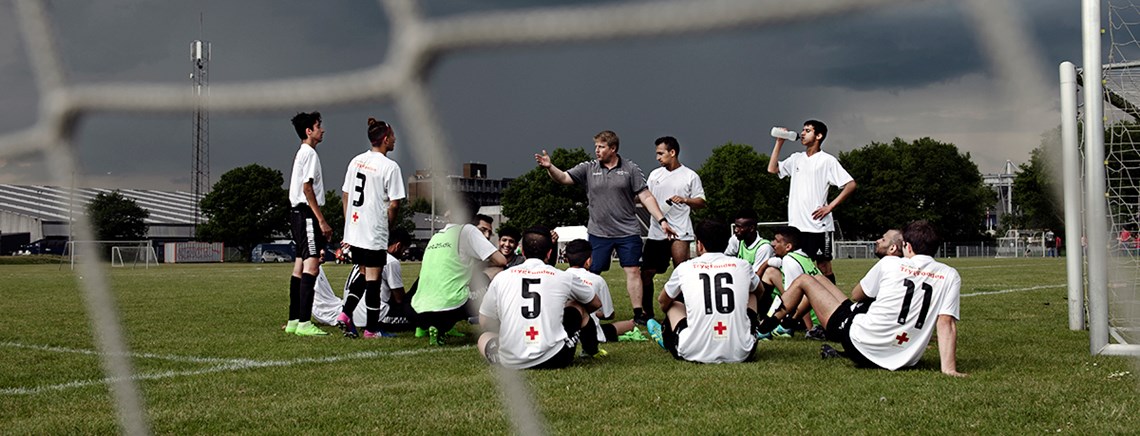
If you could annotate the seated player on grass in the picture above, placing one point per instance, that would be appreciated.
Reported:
(794, 263)
(709, 304)
(913, 295)
(533, 313)
(578, 254)
(390, 315)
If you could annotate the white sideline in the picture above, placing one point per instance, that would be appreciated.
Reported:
(228, 365)
(172, 358)
(1007, 291)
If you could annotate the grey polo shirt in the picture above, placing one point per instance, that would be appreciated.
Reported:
(611, 193)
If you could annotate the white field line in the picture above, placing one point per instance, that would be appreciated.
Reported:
(229, 366)
(1007, 291)
(172, 358)
(1011, 265)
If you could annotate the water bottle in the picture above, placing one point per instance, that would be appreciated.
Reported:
(780, 132)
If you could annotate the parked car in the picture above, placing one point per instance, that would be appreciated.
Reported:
(44, 246)
(275, 256)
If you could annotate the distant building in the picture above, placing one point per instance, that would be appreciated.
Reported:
(473, 184)
(45, 211)
(1002, 184)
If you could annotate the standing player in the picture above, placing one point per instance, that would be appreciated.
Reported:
(611, 185)
(709, 304)
(914, 295)
(809, 211)
(532, 313)
(677, 190)
(308, 225)
(372, 190)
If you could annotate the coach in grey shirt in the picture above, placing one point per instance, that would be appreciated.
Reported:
(611, 184)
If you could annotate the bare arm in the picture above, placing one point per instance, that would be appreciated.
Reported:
(774, 159)
(846, 192)
(311, 198)
(497, 259)
(948, 345)
(692, 202)
(665, 301)
(489, 324)
(558, 175)
(594, 305)
(650, 203)
(857, 294)
(393, 209)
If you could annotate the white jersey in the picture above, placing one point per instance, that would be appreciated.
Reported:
(715, 289)
(306, 167)
(664, 184)
(909, 296)
(810, 179)
(390, 278)
(601, 289)
(371, 182)
(528, 301)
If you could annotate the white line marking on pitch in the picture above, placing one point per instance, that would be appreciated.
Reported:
(172, 358)
(1007, 291)
(234, 365)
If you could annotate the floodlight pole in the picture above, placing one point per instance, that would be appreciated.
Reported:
(1071, 165)
(1095, 210)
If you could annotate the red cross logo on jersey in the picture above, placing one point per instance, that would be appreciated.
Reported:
(902, 338)
(532, 333)
(355, 216)
(720, 328)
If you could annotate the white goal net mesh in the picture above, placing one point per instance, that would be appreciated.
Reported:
(416, 41)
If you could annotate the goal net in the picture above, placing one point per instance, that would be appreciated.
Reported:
(418, 42)
(116, 253)
(134, 255)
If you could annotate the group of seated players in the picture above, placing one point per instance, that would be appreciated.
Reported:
(739, 290)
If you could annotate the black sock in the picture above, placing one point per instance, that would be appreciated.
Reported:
(754, 320)
(356, 291)
(589, 337)
(294, 297)
(638, 313)
(308, 288)
(647, 296)
(830, 277)
(610, 332)
(767, 324)
(372, 303)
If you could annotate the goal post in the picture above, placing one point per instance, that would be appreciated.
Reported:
(117, 253)
(142, 253)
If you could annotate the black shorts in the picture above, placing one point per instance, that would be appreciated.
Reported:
(670, 335)
(839, 330)
(656, 255)
(307, 237)
(816, 245)
(369, 258)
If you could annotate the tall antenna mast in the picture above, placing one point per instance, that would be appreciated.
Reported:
(200, 80)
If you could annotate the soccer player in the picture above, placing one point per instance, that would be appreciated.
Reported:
(442, 291)
(611, 184)
(812, 170)
(508, 242)
(678, 191)
(391, 316)
(709, 304)
(309, 228)
(578, 254)
(746, 243)
(914, 295)
(794, 263)
(372, 190)
(532, 313)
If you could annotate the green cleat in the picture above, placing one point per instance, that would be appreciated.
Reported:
(654, 328)
(291, 326)
(455, 333)
(420, 333)
(308, 329)
(433, 337)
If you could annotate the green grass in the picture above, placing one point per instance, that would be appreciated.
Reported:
(1028, 372)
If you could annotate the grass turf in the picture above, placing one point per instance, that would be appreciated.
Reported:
(212, 359)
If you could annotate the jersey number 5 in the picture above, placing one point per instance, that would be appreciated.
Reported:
(927, 290)
(536, 300)
(359, 201)
(716, 291)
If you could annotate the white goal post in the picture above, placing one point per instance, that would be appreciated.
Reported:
(119, 253)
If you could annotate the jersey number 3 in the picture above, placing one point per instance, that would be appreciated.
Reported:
(716, 291)
(535, 299)
(359, 201)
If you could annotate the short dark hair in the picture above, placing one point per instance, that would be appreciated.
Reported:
(480, 217)
(305, 120)
(399, 236)
(578, 252)
(670, 142)
(713, 235)
(921, 237)
(510, 231)
(746, 214)
(790, 234)
(819, 128)
(536, 243)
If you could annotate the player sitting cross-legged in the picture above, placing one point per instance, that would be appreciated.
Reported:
(578, 253)
(709, 303)
(913, 295)
(532, 313)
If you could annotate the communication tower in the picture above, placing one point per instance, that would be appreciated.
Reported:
(200, 79)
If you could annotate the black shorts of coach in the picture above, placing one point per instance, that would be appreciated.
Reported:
(816, 245)
(308, 240)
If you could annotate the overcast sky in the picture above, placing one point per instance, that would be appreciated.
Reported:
(907, 71)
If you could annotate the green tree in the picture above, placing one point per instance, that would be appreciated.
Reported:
(904, 181)
(246, 207)
(117, 218)
(333, 210)
(736, 177)
(1036, 193)
(535, 199)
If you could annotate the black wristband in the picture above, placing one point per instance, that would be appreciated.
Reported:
(661, 221)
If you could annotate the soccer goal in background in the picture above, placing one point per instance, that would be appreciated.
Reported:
(1107, 136)
(117, 253)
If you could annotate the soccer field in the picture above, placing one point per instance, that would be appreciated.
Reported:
(210, 357)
